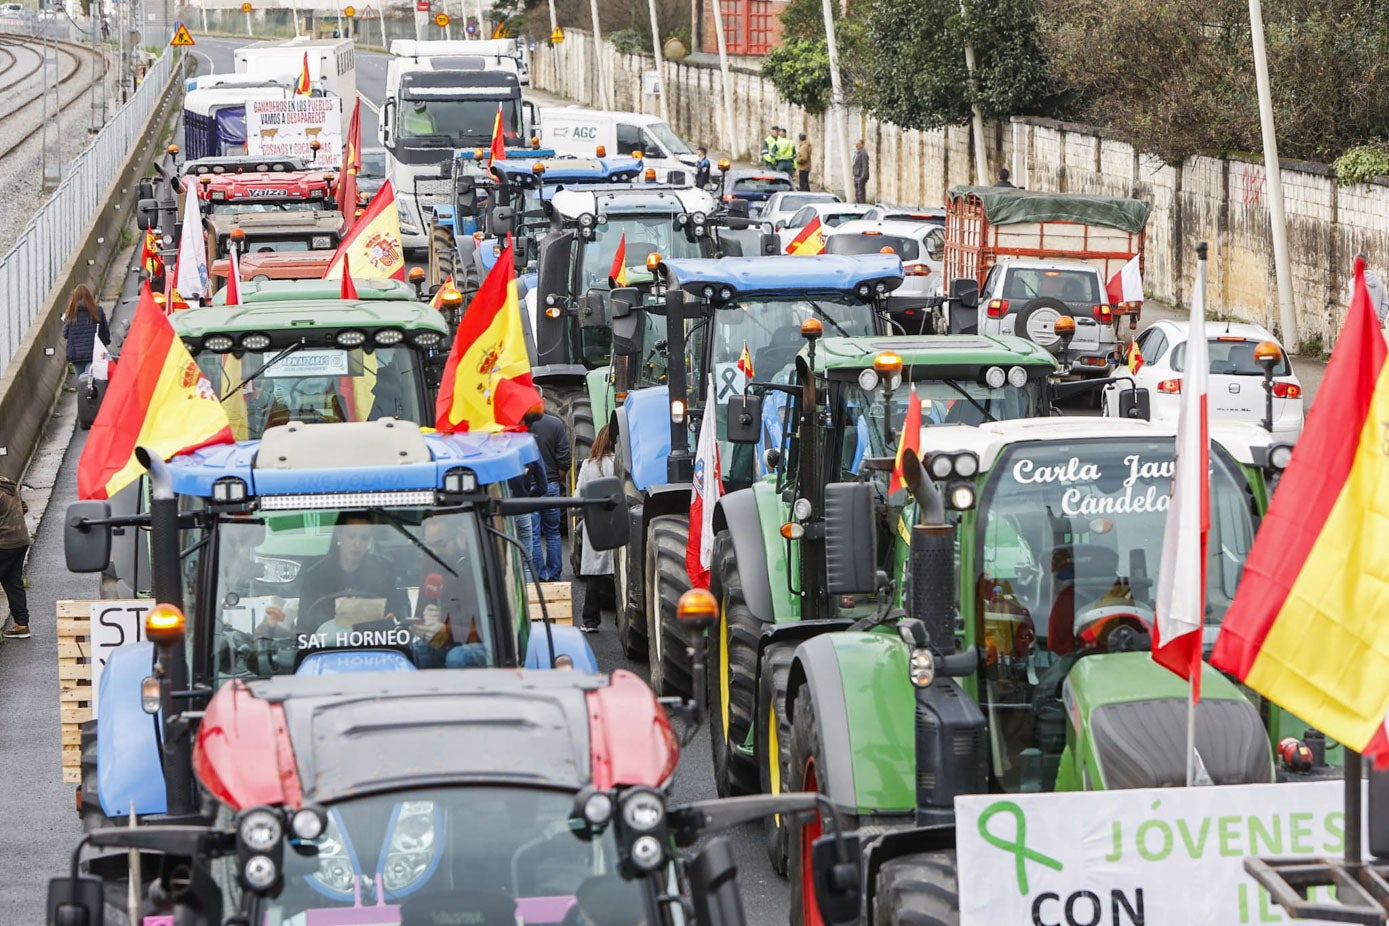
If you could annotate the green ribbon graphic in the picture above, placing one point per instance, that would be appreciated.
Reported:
(1018, 844)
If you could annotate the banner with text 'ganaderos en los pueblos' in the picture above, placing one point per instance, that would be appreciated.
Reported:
(1115, 858)
(288, 128)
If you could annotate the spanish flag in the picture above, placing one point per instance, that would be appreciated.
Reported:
(911, 437)
(349, 289)
(498, 148)
(233, 278)
(809, 241)
(1307, 626)
(374, 240)
(149, 255)
(157, 398)
(437, 302)
(487, 381)
(1135, 357)
(303, 86)
(617, 273)
(744, 363)
(346, 192)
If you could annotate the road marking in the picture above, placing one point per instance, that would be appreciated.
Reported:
(211, 67)
(370, 105)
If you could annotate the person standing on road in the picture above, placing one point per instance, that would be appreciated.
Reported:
(83, 320)
(702, 168)
(596, 566)
(804, 153)
(530, 484)
(1003, 179)
(14, 547)
(769, 148)
(860, 171)
(553, 439)
(785, 153)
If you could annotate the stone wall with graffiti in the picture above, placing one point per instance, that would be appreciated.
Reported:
(1223, 201)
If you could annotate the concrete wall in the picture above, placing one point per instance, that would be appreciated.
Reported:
(1220, 201)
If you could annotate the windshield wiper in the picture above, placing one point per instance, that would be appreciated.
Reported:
(970, 399)
(273, 360)
(825, 315)
(399, 525)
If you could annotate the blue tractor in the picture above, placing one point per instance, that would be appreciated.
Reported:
(735, 322)
(318, 549)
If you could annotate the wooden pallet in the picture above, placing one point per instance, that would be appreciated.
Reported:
(74, 682)
(559, 601)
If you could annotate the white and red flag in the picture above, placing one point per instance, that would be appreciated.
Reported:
(1127, 284)
(708, 486)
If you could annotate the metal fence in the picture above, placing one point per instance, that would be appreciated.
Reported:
(369, 28)
(27, 272)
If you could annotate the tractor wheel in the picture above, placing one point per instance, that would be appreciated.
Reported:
(806, 756)
(442, 255)
(631, 622)
(577, 413)
(731, 677)
(773, 751)
(666, 580)
(917, 890)
(90, 813)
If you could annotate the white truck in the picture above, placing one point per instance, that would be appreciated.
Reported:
(574, 131)
(439, 98)
(332, 64)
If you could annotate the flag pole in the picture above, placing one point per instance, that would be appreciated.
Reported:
(1201, 251)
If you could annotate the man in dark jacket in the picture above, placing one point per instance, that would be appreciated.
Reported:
(14, 547)
(553, 439)
(860, 171)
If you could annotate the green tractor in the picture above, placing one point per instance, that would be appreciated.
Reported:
(1024, 666)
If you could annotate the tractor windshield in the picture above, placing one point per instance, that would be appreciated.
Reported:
(292, 583)
(1068, 549)
(646, 233)
(314, 385)
(457, 855)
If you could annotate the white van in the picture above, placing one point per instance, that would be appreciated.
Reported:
(332, 64)
(574, 131)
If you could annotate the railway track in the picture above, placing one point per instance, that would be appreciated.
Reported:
(21, 62)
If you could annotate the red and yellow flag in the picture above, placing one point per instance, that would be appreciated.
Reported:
(617, 273)
(233, 278)
(1135, 357)
(744, 363)
(157, 398)
(497, 151)
(809, 241)
(303, 86)
(911, 437)
(487, 381)
(1307, 626)
(349, 289)
(346, 191)
(374, 240)
(437, 301)
(149, 255)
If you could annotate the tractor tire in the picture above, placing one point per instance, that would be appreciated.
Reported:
(806, 755)
(90, 813)
(774, 743)
(631, 622)
(666, 580)
(443, 256)
(917, 890)
(1036, 319)
(731, 677)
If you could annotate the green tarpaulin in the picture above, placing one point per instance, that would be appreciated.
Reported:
(1004, 206)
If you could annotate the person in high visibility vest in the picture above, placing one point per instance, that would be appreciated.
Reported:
(769, 145)
(416, 120)
(785, 153)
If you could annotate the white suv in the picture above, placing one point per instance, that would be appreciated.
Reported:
(1026, 297)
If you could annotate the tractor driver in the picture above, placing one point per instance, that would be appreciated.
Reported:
(448, 619)
(350, 570)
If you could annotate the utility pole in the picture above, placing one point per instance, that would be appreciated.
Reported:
(981, 160)
(730, 125)
(1282, 266)
(604, 100)
(51, 140)
(841, 119)
(660, 62)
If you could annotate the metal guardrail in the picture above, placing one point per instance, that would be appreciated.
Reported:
(28, 270)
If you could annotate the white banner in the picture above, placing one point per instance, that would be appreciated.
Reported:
(114, 623)
(1163, 855)
(324, 362)
(288, 128)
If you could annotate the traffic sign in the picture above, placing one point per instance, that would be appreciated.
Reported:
(350, 12)
(245, 7)
(181, 37)
(557, 36)
(421, 6)
(441, 19)
(471, 28)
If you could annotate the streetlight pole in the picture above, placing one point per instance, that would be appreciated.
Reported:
(730, 126)
(981, 160)
(837, 90)
(660, 63)
(1282, 266)
(599, 71)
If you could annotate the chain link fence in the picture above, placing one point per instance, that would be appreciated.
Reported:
(28, 270)
(369, 27)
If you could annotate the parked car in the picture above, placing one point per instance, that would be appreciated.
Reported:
(920, 245)
(883, 212)
(830, 215)
(755, 185)
(1236, 378)
(1026, 297)
(782, 206)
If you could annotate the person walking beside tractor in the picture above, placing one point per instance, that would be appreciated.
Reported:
(596, 566)
(860, 171)
(14, 549)
(805, 152)
(83, 321)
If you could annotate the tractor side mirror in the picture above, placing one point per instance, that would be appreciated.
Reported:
(76, 901)
(1135, 403)
(965, 291)
(465, 192)
(676, 177)
(851, 554)
(146, 213)
(836, 878)
(86, 546)
(606, 526)
(770, 244)
(445, 170)
(144, 190)
(501, 221)
(625, 300)
(594, 313)
(626, 339)
(744, 419)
